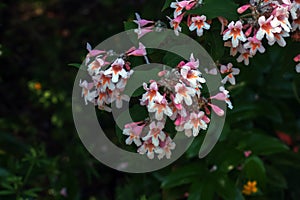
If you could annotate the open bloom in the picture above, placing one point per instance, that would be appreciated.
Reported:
(282, 16)
(234, 32)
(267, 27)
(250, 188)
(179, 6)
(244, 56)
(149, 148)
(194, 124)
(192, 76)
(155, 133)
(116, 70)
(133, 130)
(199, 23)
(86, 93)
(279, 38)
(175, 23)
(231, 73)
(166, 147)
(152, 93)
(254, 45)
(184, 93)
(160, 108)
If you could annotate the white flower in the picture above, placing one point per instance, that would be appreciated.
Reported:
(235, 32)
(199, 23)
(166, 147)
(267, 27)
(116, 70)
(184, 93)
(155, 133)
(194, 124)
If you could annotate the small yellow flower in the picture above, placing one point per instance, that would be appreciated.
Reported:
(250, 188)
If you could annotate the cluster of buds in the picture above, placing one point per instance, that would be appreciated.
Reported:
(266, 19)
(108, 78)
(177, 95)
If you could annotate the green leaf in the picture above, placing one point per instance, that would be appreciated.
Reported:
(167, 4)
(130, 25)
(6, 192)
(275, 177)
(226, 188)
(216, 8)
(202, 190)
(77, 65)
(261, 144)
(255, 170)
(184, 175)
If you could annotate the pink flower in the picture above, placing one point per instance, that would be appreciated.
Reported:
(86, 93)
(247, 153)
(279, 38)
(243, 8)
(175, 23)
(152, 93)
(223, 95)
(194, 124)
(148, 148)
(245, 55)
(297, 59)
(160, 108)
(184, 93)
(282, 16)
(166, 147)
(192, 76)
(234, 32)
(179, 6)
(217, 109)
(267, 27)
(116, 70)
(119, 98)
(141, 22)
(141, 51)
(143, 31)
(232, 71)
(199, 23)
(254, 44)
(133, 130)
(92, 52)
(155, 133)
(212, 71)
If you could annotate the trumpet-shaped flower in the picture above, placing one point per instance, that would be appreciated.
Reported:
(231, 73)
(155, 133)
(199, 23)
(116, 70)
(254, 45)
(184, 93)
(234, 32)
(268, 27)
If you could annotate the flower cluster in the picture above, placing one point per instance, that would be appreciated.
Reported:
(194, 22)
(108, 78)
(266, 19)
(178, 96)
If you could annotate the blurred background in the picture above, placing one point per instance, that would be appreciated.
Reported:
(42, 157)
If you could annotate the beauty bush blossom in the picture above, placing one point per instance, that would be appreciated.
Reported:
(268, 27)
(176, 95)
(265, 19)
(234, 32)
(199, 24)
(175, 23)
(230, 71)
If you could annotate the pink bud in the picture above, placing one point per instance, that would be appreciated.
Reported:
(243, 8)
(220, 96)
(162, 73)
(297, 58)
(248, 32)
(217, 109)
